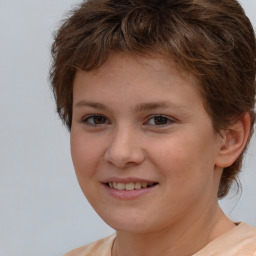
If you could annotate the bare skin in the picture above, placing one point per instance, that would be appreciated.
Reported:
(137, 119)
(176, 241)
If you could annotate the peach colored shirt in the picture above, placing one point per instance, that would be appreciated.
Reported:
(240, 241)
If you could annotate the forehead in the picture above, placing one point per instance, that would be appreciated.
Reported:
(121, 63)
(132, 78)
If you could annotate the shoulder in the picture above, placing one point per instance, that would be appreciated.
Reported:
(100, 247)
(240, 241)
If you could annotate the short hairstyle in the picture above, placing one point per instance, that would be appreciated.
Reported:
(212, 40)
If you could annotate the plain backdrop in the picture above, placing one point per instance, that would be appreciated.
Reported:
(42, 210)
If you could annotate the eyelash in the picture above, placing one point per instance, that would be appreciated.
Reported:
(94, 118)
(168, 120)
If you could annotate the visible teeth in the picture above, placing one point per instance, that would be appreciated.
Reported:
(129, 186)
(120, 186)
(137, 185)
(144, 185)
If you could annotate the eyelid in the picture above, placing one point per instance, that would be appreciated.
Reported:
(171, 120)
(85, 119)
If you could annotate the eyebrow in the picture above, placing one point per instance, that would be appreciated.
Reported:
(96, 105)
(153, 105)
(138, 108)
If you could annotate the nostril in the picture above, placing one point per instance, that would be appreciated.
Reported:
(124, 152)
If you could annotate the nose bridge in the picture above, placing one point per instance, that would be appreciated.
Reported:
(124, 147)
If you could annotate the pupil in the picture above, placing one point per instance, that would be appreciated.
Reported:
(160, 120)
(99, 119)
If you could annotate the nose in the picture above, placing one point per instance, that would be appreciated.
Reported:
(124, 149)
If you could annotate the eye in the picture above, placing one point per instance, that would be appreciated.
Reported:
(159, 120)
(95, 120)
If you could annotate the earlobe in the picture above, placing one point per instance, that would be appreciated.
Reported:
(234, 141)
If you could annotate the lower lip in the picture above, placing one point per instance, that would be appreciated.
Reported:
(128, 194)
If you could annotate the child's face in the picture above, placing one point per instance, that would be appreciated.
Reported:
(137, 120)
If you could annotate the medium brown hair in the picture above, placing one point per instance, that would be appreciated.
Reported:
(210, 39)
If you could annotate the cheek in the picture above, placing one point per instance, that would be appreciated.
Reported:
(84, 155)
(184, 160)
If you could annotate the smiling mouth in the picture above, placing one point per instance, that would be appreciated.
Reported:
(130, 186)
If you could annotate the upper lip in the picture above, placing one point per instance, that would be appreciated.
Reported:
(127, 180)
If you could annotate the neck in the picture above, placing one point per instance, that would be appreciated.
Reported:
(179, 239)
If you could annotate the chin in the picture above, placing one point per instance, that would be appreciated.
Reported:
(130, 221)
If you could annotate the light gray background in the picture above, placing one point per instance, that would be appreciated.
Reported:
(42, 210)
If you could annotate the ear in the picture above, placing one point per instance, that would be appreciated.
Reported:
(233, 141)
